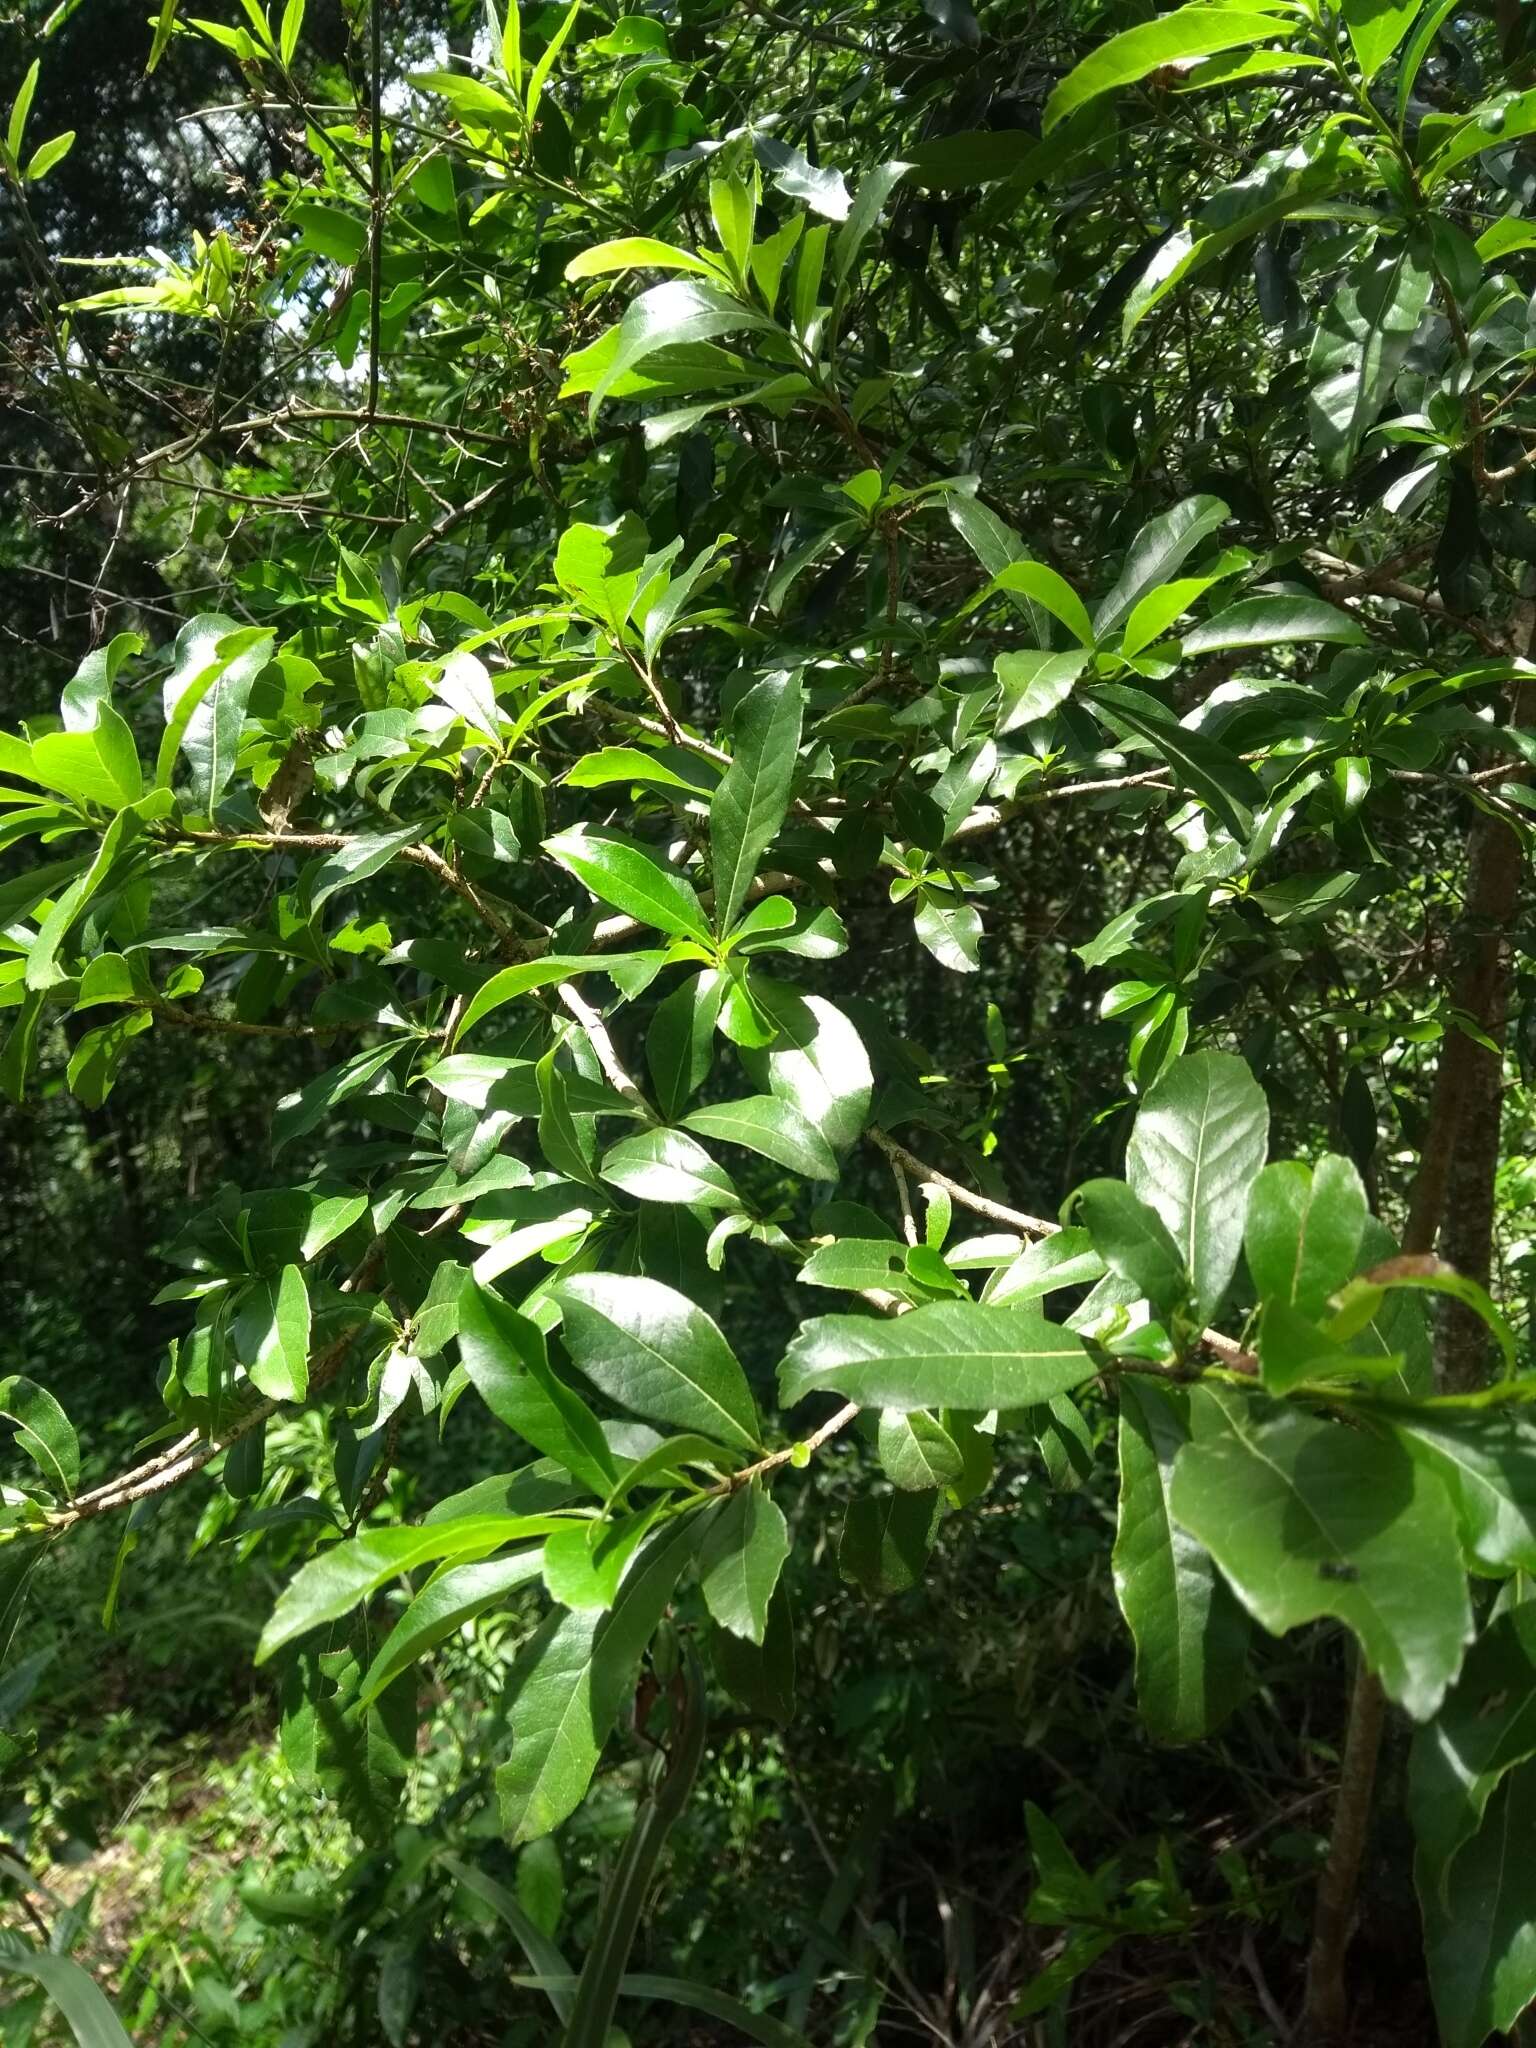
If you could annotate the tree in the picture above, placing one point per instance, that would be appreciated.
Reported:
(709, 542)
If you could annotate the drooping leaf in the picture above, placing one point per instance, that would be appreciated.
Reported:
(1484, 1729)
(1158, 551)
(1191, 1636)
(74, 1991)
(886, 1540)
(1307, 1518)
(740, 1561)
(569, 1685)
(1487, 1463)
(443, 1605)
(1482, 1950)
(331, 1584)
(505, 1357)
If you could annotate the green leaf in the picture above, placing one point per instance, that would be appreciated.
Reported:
(679, 1047)
(333, 1583)
(1422, 1273)
(584, 1562)
(1486, 1727)
(444, 1604)
(1191, 1636)
(1157, 552)
(975, 156)
(1033, 684)
(718, 2005)
(43, 970)
(874, 189)
(1307, 1518)
(546, 61)
(357, 861)
(570, 1682)
(1133, 1241)
(1482, 1952)
(816, 1062)
(508, 1365)
(630, 764)
(530, 975)
(653, 1350)
(948, 1354)
(47, 154)
(681, 311)
(1487, 1464)
(1292, 1349)
(274, 1327)
(886, 1540)
(96, 765)
(740, 1561)
(1303, 1231)
(761, 1677)
(1359, 346)
(85, 2009)
(569, 1144)
(214, 668)
(668, 1166)
(632, 879)
(775, 1128)
(1195, 1152)
(1376, 27)
(1135, 53)
(1271, 622)
(950, 930)
(1419, 46)
(1494, 125)
(21, 107)
(298, 1114)
(638, 252)
(1065, 1259)
(917, 1453)
(1037, 580)
(748, 808)
(554, 1972)
(1198, 763)
(43, 1431)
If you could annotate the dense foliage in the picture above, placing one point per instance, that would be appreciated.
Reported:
(706, 649)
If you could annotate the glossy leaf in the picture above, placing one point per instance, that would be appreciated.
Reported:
(632, 879)
(570, 1683)
(1307, 1519)
(1194, 1154)
(771, 1126)
(740, 1561)
(748, 808)
(1186, 32)
(668, 1166)
(505, 1357)
(1303, 1231)
(948, 1354)
(1191, 1636)
(650, 1348)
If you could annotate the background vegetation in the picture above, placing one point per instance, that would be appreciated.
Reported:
(959, 569)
